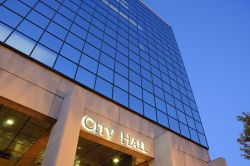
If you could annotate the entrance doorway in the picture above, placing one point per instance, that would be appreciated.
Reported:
(90, 153)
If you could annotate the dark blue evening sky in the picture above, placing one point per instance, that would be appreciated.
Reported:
(214, 39)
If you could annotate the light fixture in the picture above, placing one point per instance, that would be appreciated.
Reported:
(9, 122)
(116, 160)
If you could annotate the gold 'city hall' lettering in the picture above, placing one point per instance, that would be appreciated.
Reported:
(90, 125)
(132, 142)
(108, 133)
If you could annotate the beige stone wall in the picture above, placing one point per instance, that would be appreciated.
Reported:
(34, 87)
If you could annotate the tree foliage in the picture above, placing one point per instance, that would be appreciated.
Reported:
(244, 138)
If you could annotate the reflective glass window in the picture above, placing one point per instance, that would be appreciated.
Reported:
(21, 42)
(196, 116)
(65, 67)
(109, 40)
(147, 85)
(9, 17)
(107, 61)
(162, 119)
(148, 97)
(91, 51)
(150, 112)
(89, 63)
(57, 30)
(30, 30)
(182, 117)
(184, 130)
(160, 104)
(105, 73)
(121, 82)
(203, 140)
(199, 127)
(29, 3)
(120, 96)
(4, 31)
(191, 122)
(121, 69)
(61, 20)
(75, 41)
(174, 125)
(108, 50)
(103, 87)
(194, 135)
(94, 41)
(135, 104)
(45, 10)
(70, 53)
(44, 55)
(38, 19)
(51, 42)
(17, 6)
(171, 111)
(85, 77)
(77, 30)
(136, 78)
(66, 12)
(135, 90)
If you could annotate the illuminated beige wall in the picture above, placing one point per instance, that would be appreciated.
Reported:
(43, 92)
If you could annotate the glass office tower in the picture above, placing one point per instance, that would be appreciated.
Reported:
(119, 49)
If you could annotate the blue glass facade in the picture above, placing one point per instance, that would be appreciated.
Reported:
(118, 48)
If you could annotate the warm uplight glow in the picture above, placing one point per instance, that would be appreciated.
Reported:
(10, 122)
(116, 160)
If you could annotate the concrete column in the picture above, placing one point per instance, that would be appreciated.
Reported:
(163, 148)
(64, 136)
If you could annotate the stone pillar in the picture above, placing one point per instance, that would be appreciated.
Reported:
(163, 148)
(218, 162)
(62, 145)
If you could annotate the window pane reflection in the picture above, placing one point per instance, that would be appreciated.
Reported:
(44, 55)
(21, 42)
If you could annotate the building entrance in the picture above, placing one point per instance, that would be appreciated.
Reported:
(23, 138)
(93, 154)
